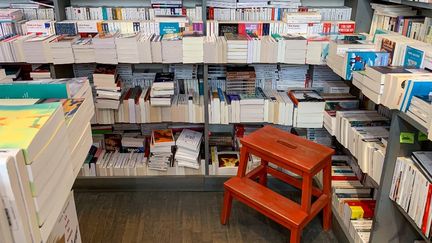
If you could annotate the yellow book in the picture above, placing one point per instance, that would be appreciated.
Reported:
(356, 212)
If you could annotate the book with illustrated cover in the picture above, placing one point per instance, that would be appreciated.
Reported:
(413, 57)
(112, 142)
(189, 139)
(357, 61)
(162, 137)
(305, 96)
(228, 162)
(388, 46)
(228, 28)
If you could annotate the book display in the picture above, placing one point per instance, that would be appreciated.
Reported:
(166, 90)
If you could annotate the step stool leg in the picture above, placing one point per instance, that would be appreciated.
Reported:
(226, 207)
(244, 157)
(295, 236)
(327, 190)
(263, 177)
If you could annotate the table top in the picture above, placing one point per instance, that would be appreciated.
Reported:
(287, 148)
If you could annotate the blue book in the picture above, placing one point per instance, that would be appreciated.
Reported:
(413, 57)
(357, 61)
(414, 88)
(221, 95)
(104, 13)
(169, 28)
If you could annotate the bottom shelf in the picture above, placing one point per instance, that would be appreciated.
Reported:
(411, 221)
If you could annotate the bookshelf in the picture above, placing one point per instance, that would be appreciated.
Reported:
(390, 221)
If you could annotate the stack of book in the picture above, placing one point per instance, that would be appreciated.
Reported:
(161, 150)
(188, 149)
(347, 56)
(237, 48)
(127, 48)
(411, 188)
(83, 50)
(108, 87)
(105, 48)
(162, 89)
(214, 48)
(193, 48)
(293, 50)
(37, 49)
(292, 76)
(39, 191)
(309, 108)
(240, 80)
(383, 85)
(420, 109)
(251, 107)
(172, 48)
(41, 72)
(61, 49)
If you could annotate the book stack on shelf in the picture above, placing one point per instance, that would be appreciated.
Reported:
(127, 48)
(172, 48)
(162, 89)
(308, 108)
(354, 55)
(61, 49)
(108, 163)
(41, 72)
(193, 48)
(411, 188)
(292, 76)
(188, 149)
(237, 48)
(108, 87)
(225, 162)
(380, 84)
(240, 79)
(83, 50)
(105, 48)
(37, 49)
(161, 150)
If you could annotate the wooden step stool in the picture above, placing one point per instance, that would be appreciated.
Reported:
(295, 154)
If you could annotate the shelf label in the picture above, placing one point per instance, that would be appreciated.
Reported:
(406, 137)
(422, 137)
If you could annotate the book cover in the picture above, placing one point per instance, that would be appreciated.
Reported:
(413, 88)
(20, 124)
(70, 106)
(413, 57)
(163, 136)
(357, 61)
(390, 69)
(112, 142)
(388, 46)
(228, 159)
(169, 28)
(228, 28)
(18, 90)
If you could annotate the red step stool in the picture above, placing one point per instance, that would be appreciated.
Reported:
(295, 154)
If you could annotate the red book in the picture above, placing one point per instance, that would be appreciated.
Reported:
(273, 14)
(427, 210)
(368, 207)
(344, 178)
(242, 29)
